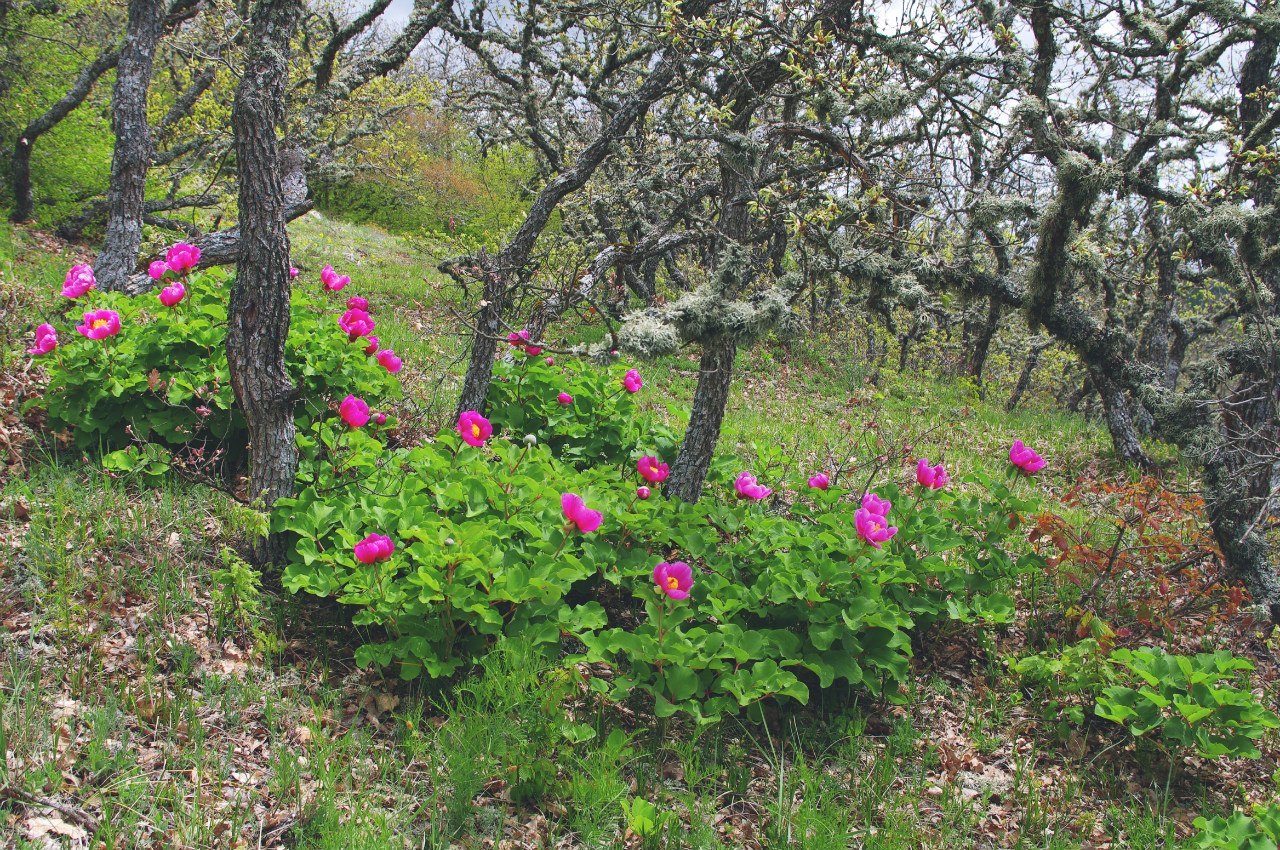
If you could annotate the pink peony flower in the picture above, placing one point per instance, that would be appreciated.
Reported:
(79, 280)
(876, 505)
(387, 357)
(518, 338)
(356, 323)
(933, 477)
(354, 411)
(380, 419)
(474, 428)
(747, 487)
(372, 347)
(331, 280)
(564, 398)
(182, 258)
(652, 470)
(532, 350)
(551, 361)
(643, 493)
(819, 481)
(631, 381)
(577, 512)
(872, 527)
(157, 269)
(46, 340)
(1025, 458)
(172, 294)
(99, 324)
(674, 579)
(374, 548)
(293, 272)
(355, 302)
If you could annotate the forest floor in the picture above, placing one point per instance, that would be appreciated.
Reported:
(142, 704)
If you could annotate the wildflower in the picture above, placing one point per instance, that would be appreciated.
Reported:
(474, 428)
(577, 512)
(819, 481)
(518, 338)
(355, 302)
(389, 361)
(46, 340)
(374, 548)
(631, 381)
(551, 361)
(876, 505)
(99, 324)
(354, 411)
(356, 323)
(651, 470)
(564, 398)
(643, 493)
(79, 280)
(380, 419)
(747, 488)
(293, 272)
(1025, 458)
(372, 347)
(532, 350)
(182, 258)
(933, 477)
(331, 280)
(172, 294)
(156, 270)
(674, 579)
(872, 527)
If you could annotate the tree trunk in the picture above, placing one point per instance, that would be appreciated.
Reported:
(258, 320)
(132, 155)
(1118, 413)
(484, 340)
(977, 360)
(1024, 377)
(1233, 516)
(715, 375)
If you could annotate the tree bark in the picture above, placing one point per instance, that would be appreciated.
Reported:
(1118, 413)
(258, 319)
(1024, 377)
(715, 375)
(977, 359)
(133, 148)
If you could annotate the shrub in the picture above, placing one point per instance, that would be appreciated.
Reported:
(164, 376)
(482, 546)
(1240, 831)
(1189, 700)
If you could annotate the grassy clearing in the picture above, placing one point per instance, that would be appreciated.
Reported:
(147, 700)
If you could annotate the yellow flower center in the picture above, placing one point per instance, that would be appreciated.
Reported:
(99, 323)
(673, 583)
(475, 430)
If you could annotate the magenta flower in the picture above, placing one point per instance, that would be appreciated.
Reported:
(372, 347)
(380, 419)
(46, 340)
(819, 481)
(1025, 458)
(933, 477)
(533, 350)
(356, 323)
(747, 487)
(518, 338)
(577, 512)
(79, 280)
(156, 270)
(872, 527)
(355, 302)
(374, 548)
(182, 258)
(331, 280)
(172, 294)
(652, 470)
(876, 505)
(643, 493)
(354, 411)
(631, 381)
(99, 324)
(474, 428)
(564, 398)
(674, 579)
(551, 361)
(293, 272)
(387, 357)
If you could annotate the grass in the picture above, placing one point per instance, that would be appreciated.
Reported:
(145, 704)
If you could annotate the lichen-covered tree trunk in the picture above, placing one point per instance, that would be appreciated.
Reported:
(1118, 413)
(258, 321)
(715, 375)
(133, 149)
(976, 362)
(484, 340)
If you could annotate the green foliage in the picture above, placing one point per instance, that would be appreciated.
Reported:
(237, 598)
(1240, 831)
(1190, 700)
(1067, 680)
(780, 603)
(164, 377)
